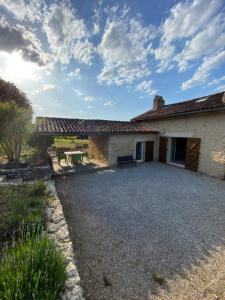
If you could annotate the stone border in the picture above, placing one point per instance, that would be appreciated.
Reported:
(58, 232)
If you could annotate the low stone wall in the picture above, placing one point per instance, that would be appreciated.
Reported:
(58, 232)
(27, 173)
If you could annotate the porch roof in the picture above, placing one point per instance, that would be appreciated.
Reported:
(64, 126)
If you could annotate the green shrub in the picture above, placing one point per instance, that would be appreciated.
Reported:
(33, 269)
(37, 188)
(27, 210)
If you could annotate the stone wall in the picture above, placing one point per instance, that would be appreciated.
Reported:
(58, 232)
(210, 127)
(98, 148)
(120, 145)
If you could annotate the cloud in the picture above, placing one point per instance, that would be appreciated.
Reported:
(37, 107)
(83, 51)
(16, 38)
(109, 103)
(125, 48)
(67, 34)
(45, 87)
(25, 11)
(75, 73)
(146, 87)
(208, 41)
(217, 81)
(209, 63)
(89, 99)
(221, 88)
(78, 92)
(48, 86)
(194, 28)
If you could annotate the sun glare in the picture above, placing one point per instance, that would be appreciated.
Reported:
(16, 69)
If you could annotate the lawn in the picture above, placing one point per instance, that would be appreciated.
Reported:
(70, 142)
(31, 267)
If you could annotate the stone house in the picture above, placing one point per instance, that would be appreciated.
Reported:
(189, 134)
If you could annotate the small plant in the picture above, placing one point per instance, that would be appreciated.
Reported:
(37, 188)
(33, 269)
(157, 277)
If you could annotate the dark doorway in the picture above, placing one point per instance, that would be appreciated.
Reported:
(163, 149)
(178, 150)
(149, 150)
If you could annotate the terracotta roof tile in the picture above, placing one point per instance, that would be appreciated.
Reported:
(62, 126)
(207, 103)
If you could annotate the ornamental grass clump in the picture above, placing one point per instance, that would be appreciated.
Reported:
(27, 210)
(32, 269)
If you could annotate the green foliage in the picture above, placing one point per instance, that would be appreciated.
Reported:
(70, 142)
(15, 127)
(25, 208)
(37, 188)
(33, 269)
(10, 93)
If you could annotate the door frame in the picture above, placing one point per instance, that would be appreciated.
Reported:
(143, 141)
(142, 151)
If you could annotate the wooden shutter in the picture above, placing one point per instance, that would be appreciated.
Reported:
(192, 153)
(163, 149)
(149, 150)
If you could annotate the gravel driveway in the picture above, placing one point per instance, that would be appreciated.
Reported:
(134, 229)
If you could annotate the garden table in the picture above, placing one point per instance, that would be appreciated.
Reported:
(69, 153)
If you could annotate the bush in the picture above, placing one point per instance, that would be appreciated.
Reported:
(33, 269)
(28, 209)
(37, 188)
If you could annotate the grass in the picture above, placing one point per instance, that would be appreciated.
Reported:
(33, 269)
(27, 154)
(70, 142)
(21, 205)
(31, 266)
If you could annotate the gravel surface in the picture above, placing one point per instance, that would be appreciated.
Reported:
(136, 229)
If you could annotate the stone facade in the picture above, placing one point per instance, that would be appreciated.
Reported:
(120, 145)
(108, 148)
(209, 127)
(98, 148)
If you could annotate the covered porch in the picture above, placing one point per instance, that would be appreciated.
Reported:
(106, 141)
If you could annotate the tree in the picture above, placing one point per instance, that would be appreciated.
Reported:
(15, 119)
(10, 93)
(15, 125)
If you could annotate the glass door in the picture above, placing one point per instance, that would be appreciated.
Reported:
(139, 151)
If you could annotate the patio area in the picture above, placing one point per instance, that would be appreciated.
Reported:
(67, 167)
(140, 231)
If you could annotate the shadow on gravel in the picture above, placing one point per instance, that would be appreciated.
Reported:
(133, 229)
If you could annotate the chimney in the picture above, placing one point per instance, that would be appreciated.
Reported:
(158, 102)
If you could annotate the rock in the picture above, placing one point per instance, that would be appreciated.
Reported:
(51, 227)
(56, 218)
(63, 233)
(68, 294)
(77, 292)
(71, 269)
(71, 282)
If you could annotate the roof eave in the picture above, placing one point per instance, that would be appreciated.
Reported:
(94, 133)
(178, 114)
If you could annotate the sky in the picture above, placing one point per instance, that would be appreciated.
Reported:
(107, 59)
